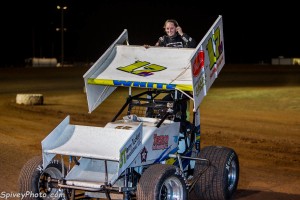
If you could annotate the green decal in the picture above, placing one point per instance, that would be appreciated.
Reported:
(122, 158)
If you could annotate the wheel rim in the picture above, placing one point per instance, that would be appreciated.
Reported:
(46, 189)
(232, 175)
(172, 188)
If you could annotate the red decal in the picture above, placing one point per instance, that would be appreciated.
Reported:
(160, 142)
(198, 63)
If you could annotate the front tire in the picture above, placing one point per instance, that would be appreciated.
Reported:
(220, 177)
(33, 180)
(161, 182)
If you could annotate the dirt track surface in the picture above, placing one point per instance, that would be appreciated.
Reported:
(252, 109)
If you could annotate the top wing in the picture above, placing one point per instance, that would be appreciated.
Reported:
(155, 67)
(184, 69)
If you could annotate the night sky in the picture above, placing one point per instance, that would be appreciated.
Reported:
(253, 33)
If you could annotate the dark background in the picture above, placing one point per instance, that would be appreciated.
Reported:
(253, 33)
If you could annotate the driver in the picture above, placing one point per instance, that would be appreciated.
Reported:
(176, 38)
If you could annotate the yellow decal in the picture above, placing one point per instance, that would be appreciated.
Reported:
(214, 47)
(147, 70)
(170, 161)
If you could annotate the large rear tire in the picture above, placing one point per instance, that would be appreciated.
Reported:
(220, 177)
(161, 182)
(33, 180)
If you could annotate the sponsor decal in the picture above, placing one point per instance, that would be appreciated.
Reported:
(160, 142)
(200, 83)
(198, 63)
(144, 84)
(127, 151)
(144, 154)
(140, 84)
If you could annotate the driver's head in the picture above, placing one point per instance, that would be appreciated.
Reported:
(170, 27)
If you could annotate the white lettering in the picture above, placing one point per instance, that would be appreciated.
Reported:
(6, 195)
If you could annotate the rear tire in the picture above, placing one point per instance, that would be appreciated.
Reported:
(220, 177)
(160, 182)
(33, 182)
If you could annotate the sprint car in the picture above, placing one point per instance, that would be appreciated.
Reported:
(151, 148)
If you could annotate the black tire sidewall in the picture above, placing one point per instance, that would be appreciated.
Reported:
(231, 157)
(57, 165)
(30, 176)
(213, 182)
(171, 172)
(153, 178)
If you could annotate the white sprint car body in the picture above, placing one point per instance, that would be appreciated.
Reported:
(113, 158)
